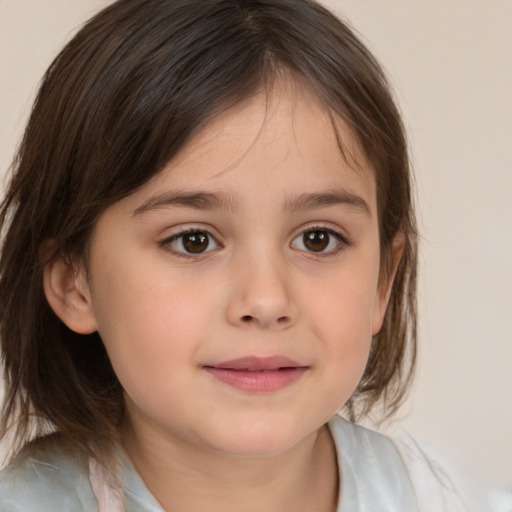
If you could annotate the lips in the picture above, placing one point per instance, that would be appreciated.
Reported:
(257, 374)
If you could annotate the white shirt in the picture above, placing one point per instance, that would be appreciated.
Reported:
(377, 474)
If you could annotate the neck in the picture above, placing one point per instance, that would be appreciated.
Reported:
(187, 479)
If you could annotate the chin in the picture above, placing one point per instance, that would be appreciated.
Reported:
(261, 440)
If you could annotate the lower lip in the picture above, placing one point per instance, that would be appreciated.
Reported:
(264, 381)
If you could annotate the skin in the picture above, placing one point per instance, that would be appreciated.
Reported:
(256, 290)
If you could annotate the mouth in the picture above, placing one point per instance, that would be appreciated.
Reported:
(257, 374)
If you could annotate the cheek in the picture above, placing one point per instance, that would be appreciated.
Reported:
(149, 320)
(343, 304)
(341, 316)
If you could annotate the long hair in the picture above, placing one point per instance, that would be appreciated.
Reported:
(120, 100)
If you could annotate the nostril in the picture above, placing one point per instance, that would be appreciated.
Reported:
(255, 319)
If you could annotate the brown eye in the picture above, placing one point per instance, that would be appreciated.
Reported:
(326, 241)
(191, 242)
(196, 242)
(316, 241)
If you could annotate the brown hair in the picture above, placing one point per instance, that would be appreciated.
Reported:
(125, 94)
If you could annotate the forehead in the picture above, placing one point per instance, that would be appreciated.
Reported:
(282, 140)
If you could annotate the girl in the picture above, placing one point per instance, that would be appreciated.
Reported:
(209, 251)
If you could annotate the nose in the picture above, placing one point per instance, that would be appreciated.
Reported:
(262, 297)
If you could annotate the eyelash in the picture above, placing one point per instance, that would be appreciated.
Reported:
(167, 243)
(342, 242)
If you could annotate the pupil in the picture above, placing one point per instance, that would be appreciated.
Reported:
(316, 241)
(195, 242)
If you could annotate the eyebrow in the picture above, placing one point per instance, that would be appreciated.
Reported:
(217, 201)
(311, 201)
(194, 200)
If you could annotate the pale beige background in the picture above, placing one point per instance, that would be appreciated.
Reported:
(451, 63)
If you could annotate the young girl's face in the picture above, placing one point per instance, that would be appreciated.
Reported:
(238, 291)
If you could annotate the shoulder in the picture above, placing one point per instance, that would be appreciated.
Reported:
(365, 448)
(440, 484)
(373, 475)
(404, 473)
(398, 462)
(46, 478)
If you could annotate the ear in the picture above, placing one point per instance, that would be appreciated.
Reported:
(67, 292)
(386, 279)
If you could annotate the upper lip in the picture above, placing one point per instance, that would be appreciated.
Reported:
(255, 363)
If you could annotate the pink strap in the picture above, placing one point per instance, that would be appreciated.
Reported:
(107, 494)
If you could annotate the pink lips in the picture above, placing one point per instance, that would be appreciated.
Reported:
(258, 374)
